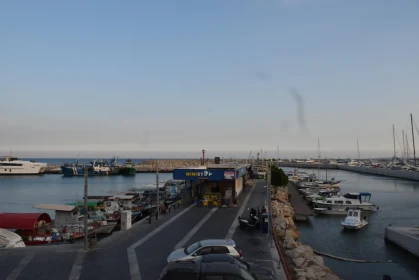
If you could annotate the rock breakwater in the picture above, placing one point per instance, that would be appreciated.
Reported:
(303, 263)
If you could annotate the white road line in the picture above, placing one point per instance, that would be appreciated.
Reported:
(20, 267)
(233, 227)
(77, 266)
(132, 256)
(195, 229)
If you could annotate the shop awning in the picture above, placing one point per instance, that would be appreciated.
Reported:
(25, 221)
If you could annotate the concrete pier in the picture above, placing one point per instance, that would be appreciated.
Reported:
(302, 211)
(405, 237)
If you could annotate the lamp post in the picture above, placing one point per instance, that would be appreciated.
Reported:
(158, 190)
(85, 207)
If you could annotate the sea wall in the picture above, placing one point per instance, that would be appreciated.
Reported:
(412, 175)
(300, 259)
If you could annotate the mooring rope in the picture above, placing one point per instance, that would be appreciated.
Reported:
(350, 260)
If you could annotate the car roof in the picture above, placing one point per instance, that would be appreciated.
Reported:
(215, 242)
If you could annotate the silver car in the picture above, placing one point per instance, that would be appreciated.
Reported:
(205, 247)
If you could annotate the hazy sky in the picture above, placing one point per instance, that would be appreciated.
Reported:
(152, 77)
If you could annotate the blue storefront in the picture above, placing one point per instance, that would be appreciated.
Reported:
(218, 185)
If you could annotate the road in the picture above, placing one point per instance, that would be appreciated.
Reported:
(141, 252)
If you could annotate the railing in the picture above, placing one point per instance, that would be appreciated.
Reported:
(281, 255)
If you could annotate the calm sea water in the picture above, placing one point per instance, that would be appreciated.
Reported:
(399, 206)
(21, 193)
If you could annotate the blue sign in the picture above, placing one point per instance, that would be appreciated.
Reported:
(241, 171)
(198, 174)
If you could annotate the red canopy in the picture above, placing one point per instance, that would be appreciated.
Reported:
(24, 221)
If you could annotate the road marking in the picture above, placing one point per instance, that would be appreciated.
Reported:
(20, 267)
(132, 256)
(235, 223)
(77, 266)
(195, 229)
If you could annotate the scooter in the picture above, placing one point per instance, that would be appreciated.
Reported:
(253, 221)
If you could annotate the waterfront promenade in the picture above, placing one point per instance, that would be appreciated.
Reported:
(141, 252)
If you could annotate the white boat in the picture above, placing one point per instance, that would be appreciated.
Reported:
(14, 166)
(353, 220)
(341, 204)
(10, 239)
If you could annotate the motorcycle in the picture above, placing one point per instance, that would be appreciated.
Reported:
(254, 219)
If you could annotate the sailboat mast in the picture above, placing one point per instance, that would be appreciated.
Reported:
(277, 152)
(357, 146)
(318, 146)
(407, 149)
(394, 144)
(413, 138)
(404, 146)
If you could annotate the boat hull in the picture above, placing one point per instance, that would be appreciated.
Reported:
(106, 229)
(353, 226)
(79, 171)
(127, 171)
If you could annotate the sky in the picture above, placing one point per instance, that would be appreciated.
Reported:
(165, 78)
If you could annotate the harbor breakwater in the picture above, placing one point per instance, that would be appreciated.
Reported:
(301, 261)
(402, 174)
(149, 166)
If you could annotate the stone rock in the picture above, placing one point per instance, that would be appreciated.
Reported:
(315, 268)
(310, 275)
(307, 251)
(299, 270)
(330, 276)
(317, 260)
(299, 261)
(301, 274)
(302, 278)
(293, 254)
(290, 243)
(320, 274)
(291, 223)
(292, 233)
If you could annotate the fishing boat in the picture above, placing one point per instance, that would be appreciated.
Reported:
(353, 220)
(33, 228)
(76, 169)
(128, 168)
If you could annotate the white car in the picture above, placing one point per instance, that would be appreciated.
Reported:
(205, 247)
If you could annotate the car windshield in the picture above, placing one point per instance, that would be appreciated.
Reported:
(193, 248)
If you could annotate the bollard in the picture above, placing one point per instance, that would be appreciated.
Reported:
(149, 219)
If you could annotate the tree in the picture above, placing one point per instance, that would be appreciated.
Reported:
(278, 178)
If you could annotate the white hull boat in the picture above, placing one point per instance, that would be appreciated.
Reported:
(337, 204)
(14, 166)
(10, 239)
(104, 227)
(353, 220)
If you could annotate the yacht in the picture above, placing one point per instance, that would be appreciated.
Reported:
(353, 163)
(14, 166)
(339, 205)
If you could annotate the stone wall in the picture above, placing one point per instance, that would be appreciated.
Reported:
(302, 261)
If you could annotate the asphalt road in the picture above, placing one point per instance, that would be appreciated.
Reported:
(155, 242)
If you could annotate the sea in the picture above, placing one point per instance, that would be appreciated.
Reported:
(398, 202)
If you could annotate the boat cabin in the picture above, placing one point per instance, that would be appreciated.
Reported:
(362, 197)
(124, 201)
(66, 216)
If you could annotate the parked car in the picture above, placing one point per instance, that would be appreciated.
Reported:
(205, 247)
(215, 267)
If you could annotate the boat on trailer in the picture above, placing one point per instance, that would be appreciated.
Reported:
(353, 220)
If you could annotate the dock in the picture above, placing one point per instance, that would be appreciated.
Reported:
(302, 211)
(405, 237)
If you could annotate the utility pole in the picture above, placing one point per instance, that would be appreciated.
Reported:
(158, 191)
(413, 138)
(86, 174)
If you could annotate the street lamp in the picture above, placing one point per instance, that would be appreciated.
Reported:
(203, 157)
